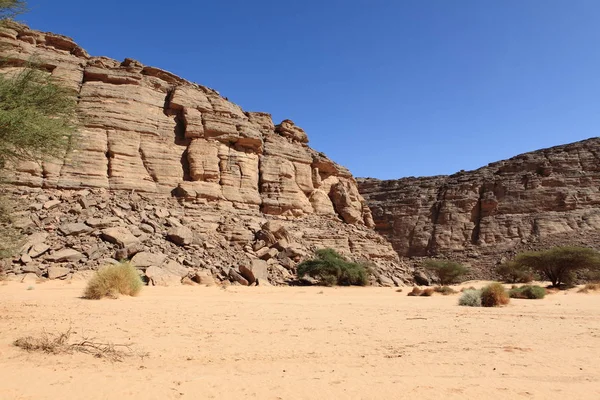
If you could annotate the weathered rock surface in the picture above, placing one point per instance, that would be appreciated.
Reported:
(537, 199)
(163, 165)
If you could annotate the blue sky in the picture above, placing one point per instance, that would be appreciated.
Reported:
(387, 88)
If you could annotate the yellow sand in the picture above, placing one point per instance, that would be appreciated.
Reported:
(301, 343)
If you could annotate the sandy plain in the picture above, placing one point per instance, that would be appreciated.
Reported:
(300, 343)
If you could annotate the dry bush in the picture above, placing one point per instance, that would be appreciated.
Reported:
(590, 287)
(113, 280)
(399, 290)
(469, 288)
(61, 344)
(494, 295)
(444, 290)
(427, 292)
(416, 291)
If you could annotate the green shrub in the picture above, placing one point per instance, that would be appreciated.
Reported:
(444, 290)
(512, 272)
(330, 268)
(527, 292)
(416, 291)
(494, 295)
(470, 298)
(447, 271)
(113, 280)
(559, 264)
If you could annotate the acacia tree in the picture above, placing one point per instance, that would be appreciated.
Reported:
(36, 119)
(447, 271)
(559, 263)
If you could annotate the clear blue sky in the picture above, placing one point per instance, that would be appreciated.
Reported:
(387, 88)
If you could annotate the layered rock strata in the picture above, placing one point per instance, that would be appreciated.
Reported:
(547, 196)
(147, 132)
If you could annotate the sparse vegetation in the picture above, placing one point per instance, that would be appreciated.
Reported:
(559, 264)
(512, 272)
(427, 292)
(494, 295)
(527, 292)
(590, 287)
(444, 290)
(330, 268)
(470, 298)
(447, 271)
(62, 344)
(416, 291)
(113, 280)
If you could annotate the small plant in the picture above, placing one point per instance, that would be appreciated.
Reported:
(469, 288)
(399, 290)
(427, 292)
(527, 292)
(444, 290)
(113, 280)
(416, 291)
(494, 295)
(590, 287)
(470, 298)
(447, 271)
(512, 272)
(330, 268)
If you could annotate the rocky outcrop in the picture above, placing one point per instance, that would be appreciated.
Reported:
(148, 130)
(163, 164)
(550, 196)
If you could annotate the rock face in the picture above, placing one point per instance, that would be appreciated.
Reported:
(158, 159)
(545, 197)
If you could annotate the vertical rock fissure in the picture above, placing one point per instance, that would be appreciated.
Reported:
(441, 197)
(477, 217)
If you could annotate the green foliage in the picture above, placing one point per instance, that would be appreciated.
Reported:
(330, 268)
(527, 292)
(10, 237)
(11, 8)
(444, 290)
(494, 295)
(470, 298)
(559, 263)
(447, 271)
(113, 280)
(36, 116)
(512, 272)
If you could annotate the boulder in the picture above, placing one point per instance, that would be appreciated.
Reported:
(57, 272)
(120, 236)
(236, 277)
(204, 278)
(158, 276)
(147, 259)
(74, 229)
(65, 255)
(180, 235)
(255, 270)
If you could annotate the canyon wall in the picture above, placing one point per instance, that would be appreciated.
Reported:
(145, 131)
(534, 200)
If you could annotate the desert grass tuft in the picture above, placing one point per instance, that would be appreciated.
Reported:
(494, 295)
(590, 287)
(114, 280)
(470, 298)
(416, 291)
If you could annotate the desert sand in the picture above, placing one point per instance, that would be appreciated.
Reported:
(300, 343)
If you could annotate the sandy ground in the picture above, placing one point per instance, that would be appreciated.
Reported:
(301, 343)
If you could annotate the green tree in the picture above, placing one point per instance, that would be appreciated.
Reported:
(11, 8)
(558, 264)
(447, 271)
(37, 120)
(330, 268)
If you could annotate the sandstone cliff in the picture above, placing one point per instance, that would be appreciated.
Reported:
(146, 131)
(545, 197)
